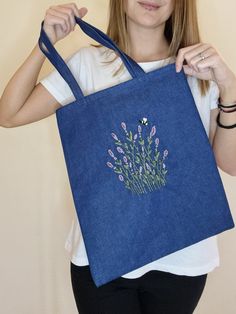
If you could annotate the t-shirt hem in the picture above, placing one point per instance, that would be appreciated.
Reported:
(187, 271)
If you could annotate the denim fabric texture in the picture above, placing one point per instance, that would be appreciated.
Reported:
(142, 172)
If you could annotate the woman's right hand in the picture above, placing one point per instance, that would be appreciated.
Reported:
(59, 20)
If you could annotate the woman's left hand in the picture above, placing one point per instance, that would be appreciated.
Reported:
(205, 63)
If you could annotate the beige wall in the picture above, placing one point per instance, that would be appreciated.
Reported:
(36, 203)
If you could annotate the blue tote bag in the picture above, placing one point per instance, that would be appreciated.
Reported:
(142, 172)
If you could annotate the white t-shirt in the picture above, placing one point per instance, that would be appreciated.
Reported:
(92, 75)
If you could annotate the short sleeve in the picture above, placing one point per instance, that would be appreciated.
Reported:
(57, 86)
(214, 95)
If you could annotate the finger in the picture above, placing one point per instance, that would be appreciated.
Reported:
(180, 56)
(190, 71)
(77, 12)
(82, 12)
(56, 12)
(70, 13)
(193, 58)
(210, 62)
(54, 19)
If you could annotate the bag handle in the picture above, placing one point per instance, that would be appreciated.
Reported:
(51, 53)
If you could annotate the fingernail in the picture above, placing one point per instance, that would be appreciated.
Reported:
(177, 68)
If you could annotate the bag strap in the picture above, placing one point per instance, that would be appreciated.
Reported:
(51, 53)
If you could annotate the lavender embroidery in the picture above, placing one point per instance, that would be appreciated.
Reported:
(137, 163)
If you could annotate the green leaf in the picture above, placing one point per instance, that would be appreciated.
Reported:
(117, 171)
(149, 140)
(130, 135)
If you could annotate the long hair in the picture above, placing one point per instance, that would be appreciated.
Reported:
(181, 30)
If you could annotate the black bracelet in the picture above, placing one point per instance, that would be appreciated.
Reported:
(224, 126)
(226, 106)
(228, 111)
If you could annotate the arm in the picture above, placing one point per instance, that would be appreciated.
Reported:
(224, 140)
(204, 62)
(23, 101)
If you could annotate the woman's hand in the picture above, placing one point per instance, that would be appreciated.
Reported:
(205, 63)
(59, 20)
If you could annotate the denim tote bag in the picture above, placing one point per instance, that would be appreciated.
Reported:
(142, 172)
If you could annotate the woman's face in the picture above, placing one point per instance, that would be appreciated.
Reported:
(148, 13)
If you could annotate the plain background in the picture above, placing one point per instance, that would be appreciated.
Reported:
(36, 202)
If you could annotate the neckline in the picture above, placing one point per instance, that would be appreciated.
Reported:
(149, 62)
(154, 61)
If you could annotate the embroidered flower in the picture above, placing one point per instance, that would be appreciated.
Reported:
(121, 178)
(157, 141)
(153, 131)
(123, 125)
(114, 136)
(110, 164)
(165, 153)
(140, 168)
(120, 150)
(111, 153)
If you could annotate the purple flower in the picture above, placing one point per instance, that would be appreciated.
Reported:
(130, 165)
(140, 169)
(157, 141)
(111, 153)
(163, 165)
(165, 153)
(135, 136)
(110, 164)
(114, 136)
(139, 129)
(123, 125)
(121, 178)
(125, 159)
(153, 131)
(120, 150)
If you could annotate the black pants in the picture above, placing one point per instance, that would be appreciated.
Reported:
(155, 292)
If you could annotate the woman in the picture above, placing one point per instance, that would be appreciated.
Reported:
(153, 33)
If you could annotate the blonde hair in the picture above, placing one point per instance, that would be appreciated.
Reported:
(181, 30)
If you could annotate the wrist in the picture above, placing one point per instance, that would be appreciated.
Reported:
(228, 92)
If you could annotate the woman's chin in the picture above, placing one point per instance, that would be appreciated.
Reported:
(148, 22)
